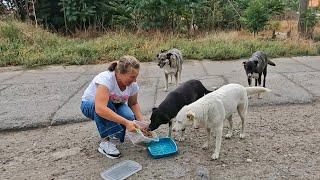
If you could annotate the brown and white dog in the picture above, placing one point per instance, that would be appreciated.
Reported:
(171, 62)
(212, 109)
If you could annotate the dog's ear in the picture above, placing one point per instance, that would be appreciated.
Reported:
(154, 108)
(190, 115)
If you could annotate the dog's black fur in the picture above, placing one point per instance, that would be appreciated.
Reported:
(257, 64)
(185, 94)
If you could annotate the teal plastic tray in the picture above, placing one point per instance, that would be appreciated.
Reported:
(163, 148)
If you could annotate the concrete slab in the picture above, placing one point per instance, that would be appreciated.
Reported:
(24, 115)
(310, 61)
(95, 69)
(223, 67)
(59, 69)
(44, 77)
(52, 95)
(4, 76)
(308, 80)
(192, 70)
(150, 69)
(70, 111)
(30, 105)
(212, 82)
(287, 65)
(284, 91)
(147, 93)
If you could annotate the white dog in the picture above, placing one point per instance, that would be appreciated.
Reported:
(211, 110)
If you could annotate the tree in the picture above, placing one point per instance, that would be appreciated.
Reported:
(302, 17)
(258, 13)
(307, 20)
(255, 17)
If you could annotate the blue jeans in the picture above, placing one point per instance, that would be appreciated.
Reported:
(106, 127)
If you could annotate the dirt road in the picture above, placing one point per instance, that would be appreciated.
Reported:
(282, 142)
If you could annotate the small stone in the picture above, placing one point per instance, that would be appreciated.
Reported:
(202, 173)
(249, 160)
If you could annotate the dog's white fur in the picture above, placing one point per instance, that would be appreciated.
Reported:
(211, 110)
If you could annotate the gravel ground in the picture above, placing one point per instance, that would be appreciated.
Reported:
(282, 142)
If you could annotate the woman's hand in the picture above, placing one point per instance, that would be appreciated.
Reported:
(131, 126)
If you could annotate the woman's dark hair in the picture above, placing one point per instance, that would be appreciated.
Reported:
(124, 65)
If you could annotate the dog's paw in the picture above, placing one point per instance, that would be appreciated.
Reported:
(214, 156)
(229, 135)
(205, 146)
(242, 136)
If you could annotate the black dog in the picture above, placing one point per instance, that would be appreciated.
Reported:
(256, 66)
(185, 94)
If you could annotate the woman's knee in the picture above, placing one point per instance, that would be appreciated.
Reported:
(128, 115)
(126, 112)
(87, 109)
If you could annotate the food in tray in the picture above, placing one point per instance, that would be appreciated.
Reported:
(147, 133)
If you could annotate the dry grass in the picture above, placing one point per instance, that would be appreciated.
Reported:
(23, 44)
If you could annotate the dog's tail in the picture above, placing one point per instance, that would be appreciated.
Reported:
(271, 63)
(256, 90)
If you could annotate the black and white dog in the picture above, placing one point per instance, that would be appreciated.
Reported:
(256, 66)
(171, 62)
(185, 94)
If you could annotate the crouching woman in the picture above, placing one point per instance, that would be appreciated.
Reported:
(111, 101)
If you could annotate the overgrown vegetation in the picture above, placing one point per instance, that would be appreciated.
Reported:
(86, 32)
(22, 44)
(166, 15)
